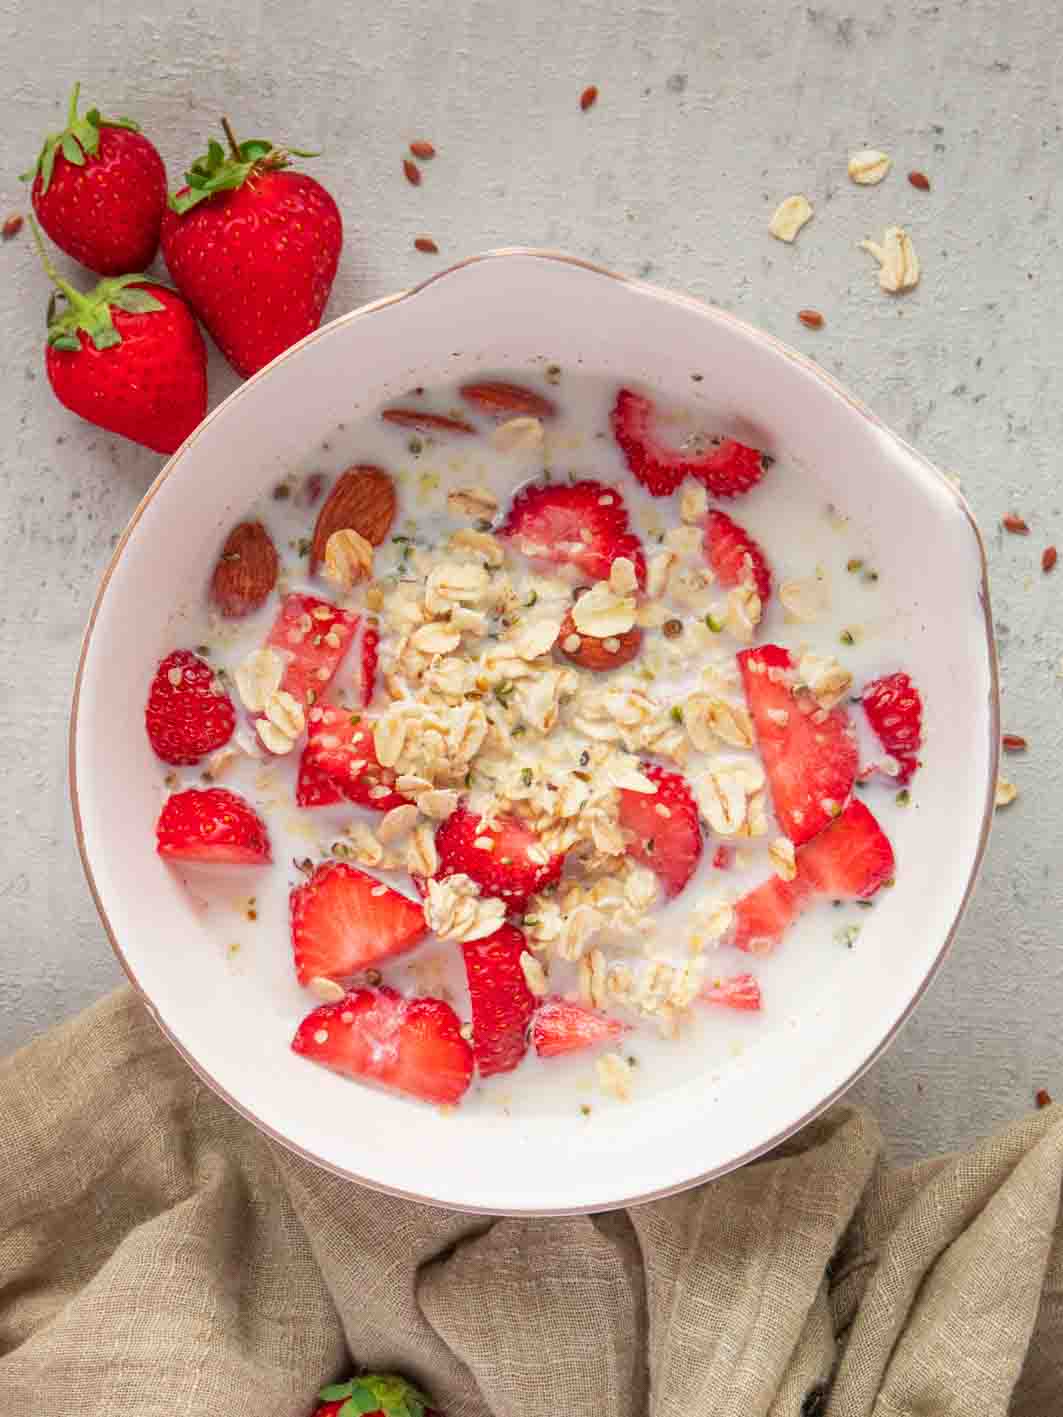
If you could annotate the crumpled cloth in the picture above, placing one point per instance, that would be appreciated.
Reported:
(159, 1257)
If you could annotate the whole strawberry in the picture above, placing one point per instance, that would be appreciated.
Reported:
(99, 191)
(128, 356)
(253, 248)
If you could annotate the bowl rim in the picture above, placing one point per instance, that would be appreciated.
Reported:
(706, 310)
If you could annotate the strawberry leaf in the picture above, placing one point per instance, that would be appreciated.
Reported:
(78, 140)
(136, 302)
(221, 171)
(377, 1392)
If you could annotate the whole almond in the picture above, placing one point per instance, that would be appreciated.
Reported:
(426, 422)
(423, 149)
(502, 400)
(595, 654)
(246, 571)
(362, 500)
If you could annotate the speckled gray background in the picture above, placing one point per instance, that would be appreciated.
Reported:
(709, 113)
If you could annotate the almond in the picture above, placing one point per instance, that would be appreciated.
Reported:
(362, 500)
(502, 400)
(246, 571)
(426, 422)
(590, 652)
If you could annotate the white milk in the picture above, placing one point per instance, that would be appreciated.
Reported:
(799, 534)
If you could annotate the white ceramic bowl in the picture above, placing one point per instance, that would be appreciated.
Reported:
(506, 310)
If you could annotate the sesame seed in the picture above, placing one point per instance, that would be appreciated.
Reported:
(321, 1036)
(379, 891)
(662, 810)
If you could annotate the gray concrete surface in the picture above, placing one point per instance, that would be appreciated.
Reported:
(709, 113)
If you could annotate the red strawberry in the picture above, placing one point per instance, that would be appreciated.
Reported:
(313, 635)
(375, 1393)
(412, 1045)
(561, 1026)
(344, 921)
(370, 659)
(583, 523)
(810, 755)
(506, 871)
(727, 469)
(99, 191)
(733, 555)
(188, 713)
(895, 711)
(850, 860)
(337, 742)
(665, 826)
(502, 1003)
(254, 248)
(741, 991)
(212, 826)
(127, 356)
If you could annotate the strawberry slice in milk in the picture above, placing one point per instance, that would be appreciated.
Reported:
(311, 637)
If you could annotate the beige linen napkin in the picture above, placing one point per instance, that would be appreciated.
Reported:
(160, 1258)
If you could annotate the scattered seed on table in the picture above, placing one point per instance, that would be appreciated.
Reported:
(423, 149)
(920, 180)
(589, 97)
(1015, 524)
(1049, 557)
(427, 245)
(812, 318)
(1014, 743)
(412, 171)
(11, 227)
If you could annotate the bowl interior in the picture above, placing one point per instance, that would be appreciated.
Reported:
(234, 1021)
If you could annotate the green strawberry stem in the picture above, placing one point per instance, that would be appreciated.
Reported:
(91, 311)
(79, 140)
(234, 146)
(218, 171)
(75, 298)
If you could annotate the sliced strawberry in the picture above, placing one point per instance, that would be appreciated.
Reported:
(212, 825)
(810, 755)
(665, 826)
(370, 659)
(591, 652)
(727, 469)
(316, 635)
(426, 422)
(763, 916)
(561, 1026)
(343, 921)
(502, 1003)
(741, 991)
(502, 400)
(411, 1045)
(340, 761)
(506, 870)
(582, 523)
(851, 860)
(733, 555)
(894, 710)
(188, 712)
